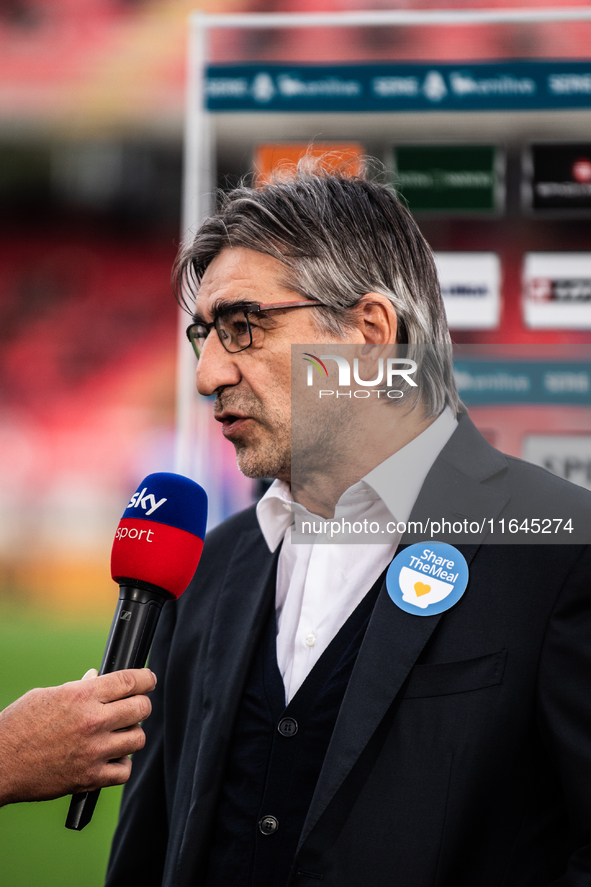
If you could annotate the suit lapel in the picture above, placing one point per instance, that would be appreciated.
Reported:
(394, 639)
(454, 488)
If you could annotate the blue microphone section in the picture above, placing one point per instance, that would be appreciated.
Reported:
(171, 499)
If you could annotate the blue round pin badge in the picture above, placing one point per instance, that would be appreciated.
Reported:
(427, 578)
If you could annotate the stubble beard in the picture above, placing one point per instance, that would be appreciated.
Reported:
(268, 459)
(265, 449)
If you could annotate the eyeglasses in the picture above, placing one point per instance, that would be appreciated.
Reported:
(232, 324)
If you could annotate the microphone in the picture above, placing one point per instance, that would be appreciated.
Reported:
(156, 550)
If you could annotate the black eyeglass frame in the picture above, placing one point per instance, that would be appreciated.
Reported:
(251, 308)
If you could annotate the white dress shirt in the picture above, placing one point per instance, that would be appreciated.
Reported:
(319, 585)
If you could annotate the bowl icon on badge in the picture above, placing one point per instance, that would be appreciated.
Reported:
(420, 590)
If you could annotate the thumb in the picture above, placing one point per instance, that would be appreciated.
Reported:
(91, 673)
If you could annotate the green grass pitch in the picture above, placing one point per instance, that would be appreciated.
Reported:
(36, 850)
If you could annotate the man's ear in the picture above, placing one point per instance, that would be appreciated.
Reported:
(376, 319)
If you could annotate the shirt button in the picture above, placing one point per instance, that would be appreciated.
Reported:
(268, 825)
(310, 639)
(288, 727)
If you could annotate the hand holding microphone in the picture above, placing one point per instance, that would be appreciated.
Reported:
(156, 550)
(58, 740)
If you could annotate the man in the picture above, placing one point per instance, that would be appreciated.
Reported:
(306, 728)
(74, 738)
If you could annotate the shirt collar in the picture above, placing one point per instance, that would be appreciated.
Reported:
(274, 513)
(396, 481)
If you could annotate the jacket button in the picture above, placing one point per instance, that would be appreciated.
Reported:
(288, 727)
(268, 825)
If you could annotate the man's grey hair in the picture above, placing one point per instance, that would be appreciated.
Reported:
(338, 237)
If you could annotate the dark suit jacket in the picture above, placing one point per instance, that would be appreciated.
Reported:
(462, 752)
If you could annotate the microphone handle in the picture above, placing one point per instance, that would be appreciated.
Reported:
(130, 639)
